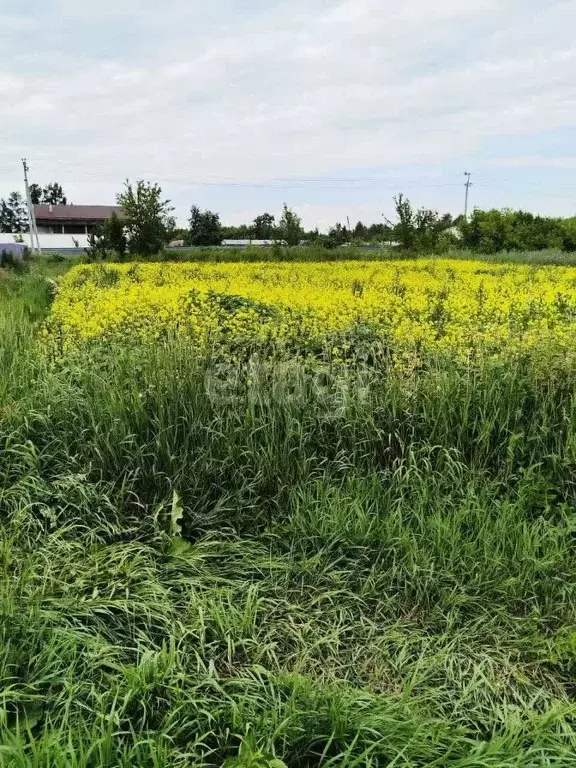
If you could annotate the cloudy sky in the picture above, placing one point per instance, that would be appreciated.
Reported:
(332, 106)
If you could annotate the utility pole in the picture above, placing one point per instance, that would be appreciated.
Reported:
(387, 223)
(34, 239)
(468, 184)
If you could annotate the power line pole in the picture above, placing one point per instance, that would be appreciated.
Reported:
(34, 239)
(468, 184)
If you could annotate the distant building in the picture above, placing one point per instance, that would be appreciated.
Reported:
(176, 244)
(251, 243)
(73, 219)
(71, 244)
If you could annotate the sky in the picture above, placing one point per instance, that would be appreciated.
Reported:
(330, 106)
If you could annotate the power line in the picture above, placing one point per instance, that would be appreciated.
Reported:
(486, 180)
(274, 182)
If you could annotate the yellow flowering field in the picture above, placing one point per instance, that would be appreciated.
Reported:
(461, 307)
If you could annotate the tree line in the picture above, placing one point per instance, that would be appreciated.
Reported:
(148, 226)
(507, 230)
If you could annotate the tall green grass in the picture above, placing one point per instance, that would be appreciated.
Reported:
(315, 253)
(339, 567)
(548, 256)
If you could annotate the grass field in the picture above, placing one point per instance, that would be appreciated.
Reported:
(314, 253)
(261, 559)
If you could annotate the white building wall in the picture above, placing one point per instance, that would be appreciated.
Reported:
(48, 242)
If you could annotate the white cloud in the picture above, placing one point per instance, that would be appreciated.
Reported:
(307, 87)
(9, 82)
(12, 24)
(534, 161)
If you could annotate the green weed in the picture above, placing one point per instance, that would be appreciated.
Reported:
(282, 563)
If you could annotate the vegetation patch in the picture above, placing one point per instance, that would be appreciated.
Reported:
(360, 556)
(463, 309)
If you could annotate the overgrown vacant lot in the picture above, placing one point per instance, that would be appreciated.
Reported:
(345, 550)
(462, 308)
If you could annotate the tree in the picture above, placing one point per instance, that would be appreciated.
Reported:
(54, 194)
(97, 246)
(497, 230)
(179, 233)
(13, 214)
(290, 226)
(488, 231)
(264, 226)
(569, 235)
(338, 235)
(36, 194)
(108, 240)
(324, 241)
(5, 217)
(360, 232)
(241, 232)
(115, 236)
(405, 230)
(420, 230)
(205, 228)
(148, 220)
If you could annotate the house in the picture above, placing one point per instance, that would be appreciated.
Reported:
(73, 219)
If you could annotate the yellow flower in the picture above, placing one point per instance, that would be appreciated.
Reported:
(461, 308)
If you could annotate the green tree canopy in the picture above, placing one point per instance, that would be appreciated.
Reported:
(50, 194)
(205, 228)
(264, 227)
(148, 221)
(290, 226)
(36, 194)
(13, 214)
(507, 230)
(419, 230)
(54, 194)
